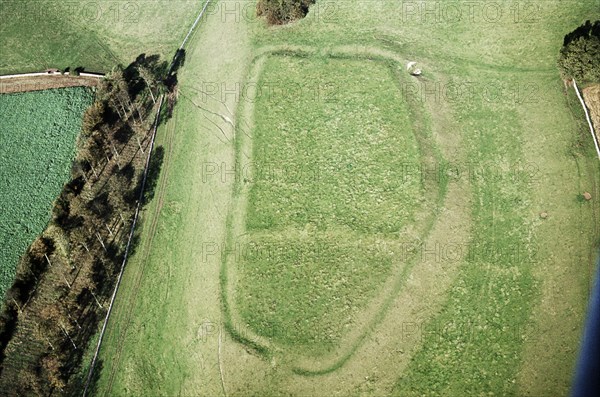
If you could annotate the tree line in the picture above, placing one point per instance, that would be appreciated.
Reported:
(579, 57)
(67, 275)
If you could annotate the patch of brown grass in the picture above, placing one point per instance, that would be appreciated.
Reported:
(591, 95)
(38, 83)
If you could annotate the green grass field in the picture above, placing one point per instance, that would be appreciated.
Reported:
(330, 201)
(98, 35)
(350, 149)
(37, 146)
(493, 299)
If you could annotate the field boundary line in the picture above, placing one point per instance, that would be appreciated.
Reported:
(36, 74)
(194, 25)
(137, 278)
(587, 117)
(131, 232)
(220, 364)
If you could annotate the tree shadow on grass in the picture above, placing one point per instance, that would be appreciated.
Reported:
(77, 384)
(154, 168)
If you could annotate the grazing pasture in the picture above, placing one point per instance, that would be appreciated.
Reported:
(94, 35)
(332, 201)
(491, 298)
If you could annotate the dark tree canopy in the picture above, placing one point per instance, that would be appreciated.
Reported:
(580, 55)
(279, 12)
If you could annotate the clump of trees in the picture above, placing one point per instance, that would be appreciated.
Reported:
(66, 277)
(580, 55)
(278, 12)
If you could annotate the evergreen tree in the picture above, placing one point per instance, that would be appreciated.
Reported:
(580, 55)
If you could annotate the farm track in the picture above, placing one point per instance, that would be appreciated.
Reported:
(147, 159)
(154, 216)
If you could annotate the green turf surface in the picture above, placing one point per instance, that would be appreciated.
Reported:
(95, 35)
(331, 143)
(334, 160)
(505, 319)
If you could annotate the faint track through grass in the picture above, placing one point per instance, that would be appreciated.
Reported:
(126, 317)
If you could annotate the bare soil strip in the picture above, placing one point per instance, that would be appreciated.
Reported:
(587, 117)
(37, 83)
(591, 96)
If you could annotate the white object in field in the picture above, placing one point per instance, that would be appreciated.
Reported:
(412, 69)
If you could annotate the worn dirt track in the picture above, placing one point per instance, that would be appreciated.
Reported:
(37, 83)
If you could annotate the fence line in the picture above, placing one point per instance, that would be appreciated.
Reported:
(587, 117)
(194, 25)
(127, 248)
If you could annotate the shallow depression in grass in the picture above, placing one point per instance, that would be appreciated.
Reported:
(329, 194)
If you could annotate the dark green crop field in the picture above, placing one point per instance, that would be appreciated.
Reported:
(37, 144)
